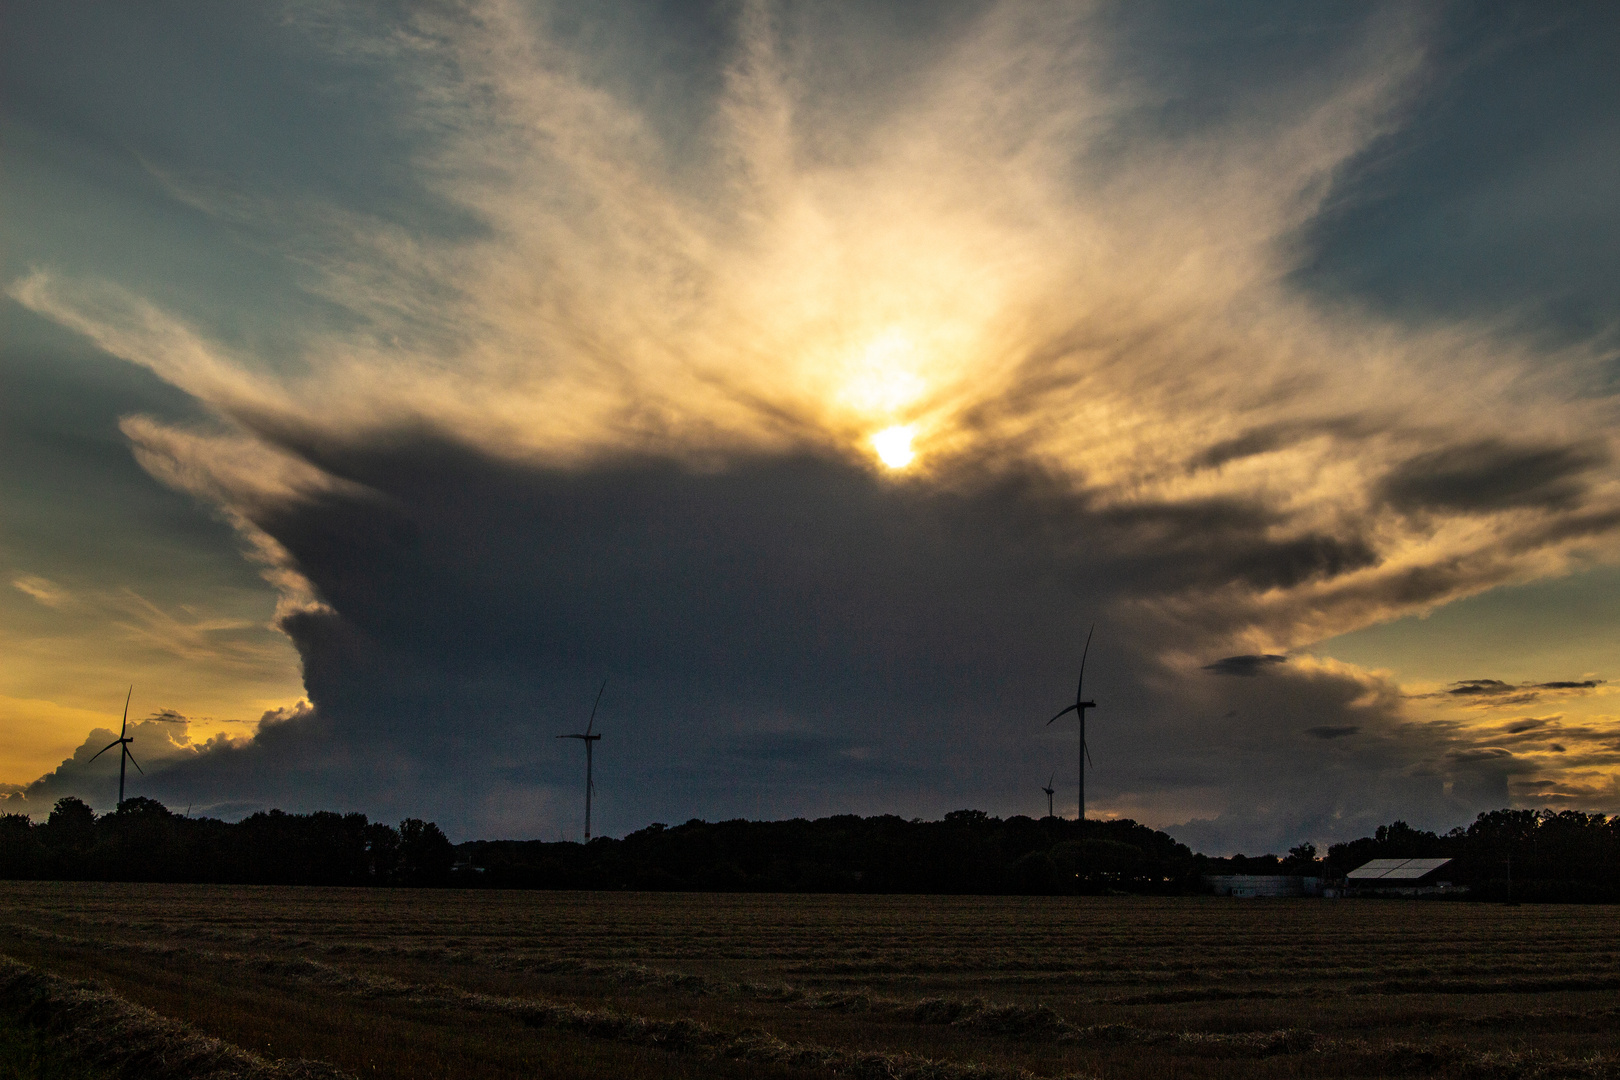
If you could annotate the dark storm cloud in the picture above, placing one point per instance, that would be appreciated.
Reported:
(1492, 475)
(1248, 665)
(1329, 785)
(782, 635)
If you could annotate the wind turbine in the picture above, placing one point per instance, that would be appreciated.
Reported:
(123, 741)
(588, 739)
(1049, 793)
(1079, 708)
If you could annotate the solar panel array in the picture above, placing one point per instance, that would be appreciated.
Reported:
(1396, 869)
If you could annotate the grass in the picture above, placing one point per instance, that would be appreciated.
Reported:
(26, 1054)
(404, 983)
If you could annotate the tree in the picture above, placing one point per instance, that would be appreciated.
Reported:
(1301, 859)
(382, 852)
(425, 853)
(21, 855)
(139, 842)
(71, 826)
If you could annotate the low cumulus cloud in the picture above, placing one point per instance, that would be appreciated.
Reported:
(624, 427)
(162, 743)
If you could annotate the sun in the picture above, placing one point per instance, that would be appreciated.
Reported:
(893, 445)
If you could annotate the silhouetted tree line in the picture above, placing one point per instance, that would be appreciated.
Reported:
(1552, 856)
(968, 852)
(143, 841)
(1567, 856)
(1541, 855)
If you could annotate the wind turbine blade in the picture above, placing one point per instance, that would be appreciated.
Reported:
(1051, 778)
(104, 749)
(133, 762)
(123, 728)
(598, 701)
(1059, 716)
(1087, 746)
(1079, 694)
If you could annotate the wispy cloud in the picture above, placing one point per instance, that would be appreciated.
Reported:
(45, 591)
(186, 633)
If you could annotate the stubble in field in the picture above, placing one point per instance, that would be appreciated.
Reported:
(410, 983)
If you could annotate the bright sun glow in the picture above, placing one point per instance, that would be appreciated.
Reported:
(893, 446)
(883, 375)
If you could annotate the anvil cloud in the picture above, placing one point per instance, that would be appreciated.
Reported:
(598, 399)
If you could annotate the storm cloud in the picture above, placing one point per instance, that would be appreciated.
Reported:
(597, 390)
(820, 635)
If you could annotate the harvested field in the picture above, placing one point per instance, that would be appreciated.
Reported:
(405, 983)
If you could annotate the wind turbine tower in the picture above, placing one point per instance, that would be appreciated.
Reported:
(125, 758)
(1079, 708)
(587, 738)
(1049, 793)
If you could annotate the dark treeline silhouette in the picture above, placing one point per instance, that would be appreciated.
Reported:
(143, 841)
(1568, 856)
(968, 852)
(1540, 855)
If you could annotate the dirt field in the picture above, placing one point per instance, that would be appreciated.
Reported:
(403, 983)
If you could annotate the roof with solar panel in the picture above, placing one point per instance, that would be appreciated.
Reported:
(1396, 869)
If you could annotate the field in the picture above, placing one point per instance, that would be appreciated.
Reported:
(416, 984)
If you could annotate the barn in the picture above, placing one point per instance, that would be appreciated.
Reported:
(1398, 877)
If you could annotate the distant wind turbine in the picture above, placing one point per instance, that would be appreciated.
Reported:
(587, 738)
(1079, 708)
(1049, 793)
(124, 756)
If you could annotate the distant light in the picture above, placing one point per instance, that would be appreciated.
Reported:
(893, 446)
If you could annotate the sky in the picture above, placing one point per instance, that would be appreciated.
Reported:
(378, 378)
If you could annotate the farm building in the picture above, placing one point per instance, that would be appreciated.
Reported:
(1400, 877)
(1264, 885)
